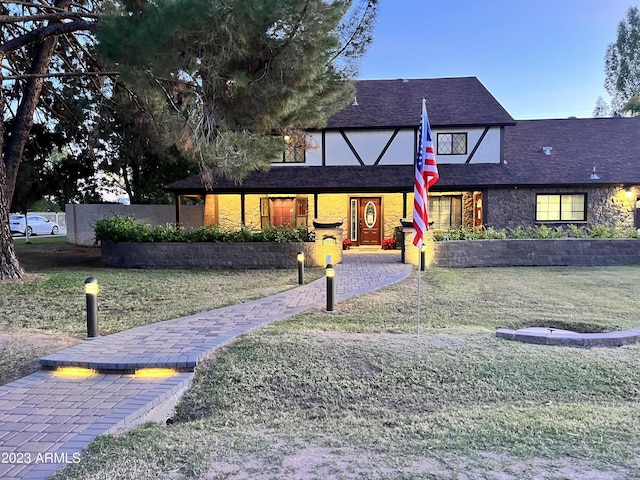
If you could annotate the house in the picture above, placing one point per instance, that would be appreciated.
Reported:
(494, 170)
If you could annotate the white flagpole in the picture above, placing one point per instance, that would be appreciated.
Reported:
(419, 275)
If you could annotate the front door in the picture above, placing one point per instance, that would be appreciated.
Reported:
(369, 221)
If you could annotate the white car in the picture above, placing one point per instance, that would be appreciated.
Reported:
(35, 224)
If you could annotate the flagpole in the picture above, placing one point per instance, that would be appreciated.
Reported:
(419, 302)
(426, 174)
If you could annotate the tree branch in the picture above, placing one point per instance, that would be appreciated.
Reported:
(45, 32)
(46, 16)
(60, 75)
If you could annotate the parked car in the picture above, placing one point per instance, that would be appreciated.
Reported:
(35, 224)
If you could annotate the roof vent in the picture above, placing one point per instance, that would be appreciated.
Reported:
(405, 80)
(547, 150)
(355, 102)
(594, 176)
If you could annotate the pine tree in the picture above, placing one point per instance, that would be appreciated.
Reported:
(235, 72)
(622, 62)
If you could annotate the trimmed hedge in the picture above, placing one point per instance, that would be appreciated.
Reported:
(539, 232)
(126, 229)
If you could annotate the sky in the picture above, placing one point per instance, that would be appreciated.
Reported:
(539, 58)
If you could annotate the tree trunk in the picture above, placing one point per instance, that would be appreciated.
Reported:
(10, 268)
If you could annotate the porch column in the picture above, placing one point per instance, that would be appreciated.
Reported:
(177, 200)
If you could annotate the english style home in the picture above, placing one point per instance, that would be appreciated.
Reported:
(494, 170)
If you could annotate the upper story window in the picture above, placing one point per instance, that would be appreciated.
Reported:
(561, 207)
(292, 153)
(452, 144)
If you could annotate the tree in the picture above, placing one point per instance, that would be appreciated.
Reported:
(216, 78)
(227, 75)
(632, 106)
(29, 41)
(622, 62)
(601, 109)
(136, 150)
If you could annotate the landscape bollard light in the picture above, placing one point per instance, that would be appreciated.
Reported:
(91, 293)
(422, 258)
(300, 259)
(331, 274)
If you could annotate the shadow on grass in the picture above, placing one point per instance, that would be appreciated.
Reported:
(54, 253)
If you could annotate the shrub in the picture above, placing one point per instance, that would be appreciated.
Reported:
(538, 232)
(125, 229)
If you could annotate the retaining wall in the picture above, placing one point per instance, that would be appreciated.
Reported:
(535, 252)
(224, 255)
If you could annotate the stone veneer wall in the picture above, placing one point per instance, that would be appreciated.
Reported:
(533, 252)
(514, 207)
(224, 255)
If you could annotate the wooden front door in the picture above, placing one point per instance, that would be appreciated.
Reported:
(369, 220)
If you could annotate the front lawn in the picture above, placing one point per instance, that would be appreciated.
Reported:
(357, 394)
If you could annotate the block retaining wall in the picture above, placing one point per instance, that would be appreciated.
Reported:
(224, 255)
(535, 252)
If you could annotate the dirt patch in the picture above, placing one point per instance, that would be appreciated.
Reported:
(313, 462)
(20, 352)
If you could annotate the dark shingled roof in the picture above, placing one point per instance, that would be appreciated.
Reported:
(397, 103)
(611, 145)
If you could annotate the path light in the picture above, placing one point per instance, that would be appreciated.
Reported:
(91, 294)
(300, 259)
(331, 274)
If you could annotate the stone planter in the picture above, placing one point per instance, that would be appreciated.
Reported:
(224, 255)
(535, 252)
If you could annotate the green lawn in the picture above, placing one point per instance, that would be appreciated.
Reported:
(357, 394)
(47, 312)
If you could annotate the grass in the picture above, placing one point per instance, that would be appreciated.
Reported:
(48, 311)
(357, 395)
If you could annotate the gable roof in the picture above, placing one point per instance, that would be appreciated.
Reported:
(462, 102)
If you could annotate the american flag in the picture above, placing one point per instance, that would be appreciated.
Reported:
(426, 176)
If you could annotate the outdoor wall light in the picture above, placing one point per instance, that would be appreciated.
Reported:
(331, 273)
(91, 294)
(629, 194)
(300, 259)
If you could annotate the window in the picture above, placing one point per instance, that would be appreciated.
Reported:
(283, 211)
(292, 153)
(445, 212)
(561, 207)
(452, 144)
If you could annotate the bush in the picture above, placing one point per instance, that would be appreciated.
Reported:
(538, 232)
(125, 229)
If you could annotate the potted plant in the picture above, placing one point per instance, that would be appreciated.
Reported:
(389, 244)
(346, 244)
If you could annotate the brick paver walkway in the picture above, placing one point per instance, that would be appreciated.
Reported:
(46, 420)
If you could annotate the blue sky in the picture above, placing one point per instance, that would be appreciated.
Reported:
(539, 58)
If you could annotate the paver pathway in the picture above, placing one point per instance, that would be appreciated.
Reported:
(46, 420)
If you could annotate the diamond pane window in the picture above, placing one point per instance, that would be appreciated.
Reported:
(452, 144)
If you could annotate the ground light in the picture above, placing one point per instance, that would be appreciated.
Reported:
(154, 373)
(74, 372)
(300, 259)
(91, 293)
(331, 273)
